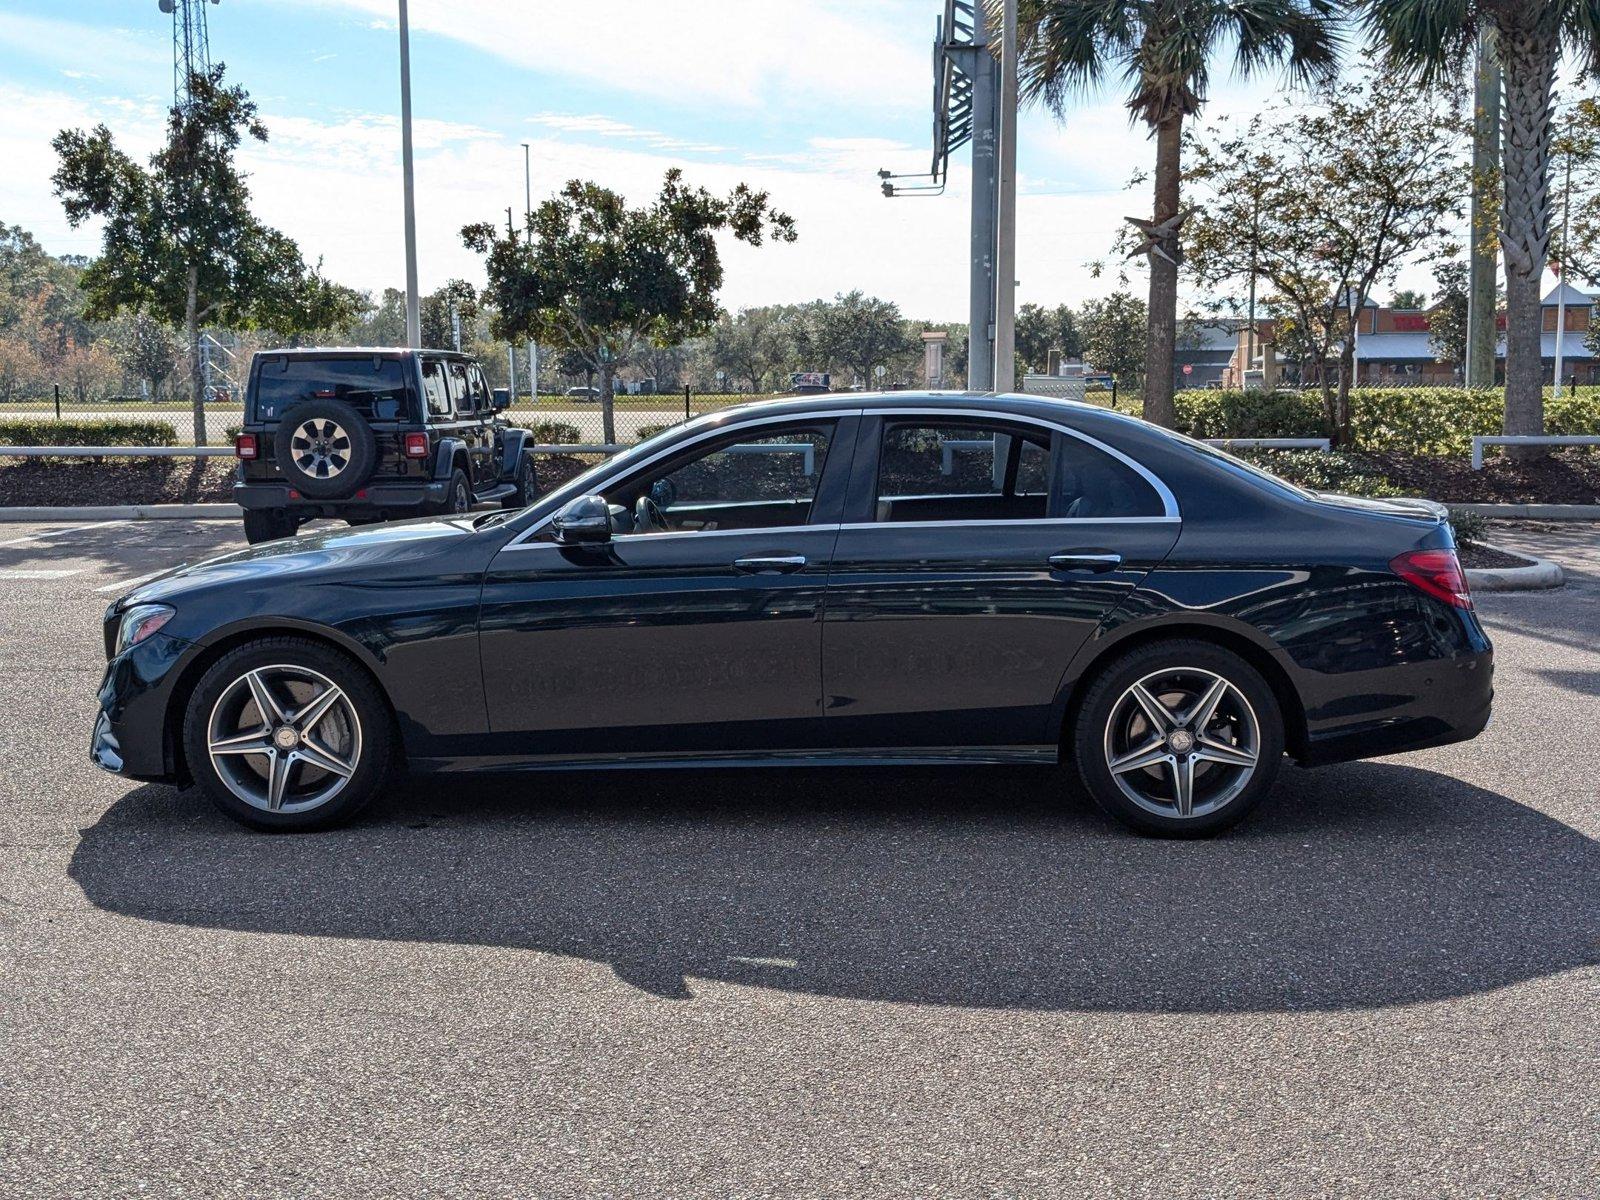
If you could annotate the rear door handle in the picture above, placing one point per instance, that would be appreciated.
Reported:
(784, 564)
(1097, 563)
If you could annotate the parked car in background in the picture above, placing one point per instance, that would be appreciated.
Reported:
(880, 579)
(583, 393)
(370, 434)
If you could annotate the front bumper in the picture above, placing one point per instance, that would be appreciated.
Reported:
(130, 735)
(373, 499)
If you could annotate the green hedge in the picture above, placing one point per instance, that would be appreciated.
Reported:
(553, 433)
(1407, 420)
(109, 432)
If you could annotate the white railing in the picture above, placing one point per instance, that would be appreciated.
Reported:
(1273, 443)
(1527, 439)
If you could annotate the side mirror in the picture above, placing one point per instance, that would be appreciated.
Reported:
(585, 521)
(502, 399)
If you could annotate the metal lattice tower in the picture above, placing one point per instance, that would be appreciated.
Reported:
(191, 45)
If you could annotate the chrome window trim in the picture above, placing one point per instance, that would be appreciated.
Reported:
(1169, 502)
(678, 533)
(787, 418)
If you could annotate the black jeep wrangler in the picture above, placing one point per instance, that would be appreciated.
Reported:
(370, 435)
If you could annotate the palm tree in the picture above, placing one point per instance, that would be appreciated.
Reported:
(1163, 50)
(1429, 38)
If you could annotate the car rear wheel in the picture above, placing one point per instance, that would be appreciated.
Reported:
(288, 734)
(1179, 738)
(268, 524)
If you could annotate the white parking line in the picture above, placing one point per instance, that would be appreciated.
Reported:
(4, 575)
(50, 533)
(123, 585)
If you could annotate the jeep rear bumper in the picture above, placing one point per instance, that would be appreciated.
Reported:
(374, 498)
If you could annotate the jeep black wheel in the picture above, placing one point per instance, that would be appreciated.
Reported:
(268, 524)
(458, 498)
(325, 449)
(527, 485)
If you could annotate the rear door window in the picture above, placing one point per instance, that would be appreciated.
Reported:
(461, 389)
(375, 387)
(434, 388)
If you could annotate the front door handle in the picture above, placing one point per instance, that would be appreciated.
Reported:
(1097, 563)
(784, 564)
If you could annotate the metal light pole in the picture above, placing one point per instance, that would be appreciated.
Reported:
(527, 192)
(1005, 264)
(413, 303)
(980, 302)
(1561, 269)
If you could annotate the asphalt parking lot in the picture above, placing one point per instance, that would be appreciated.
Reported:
(799, 984)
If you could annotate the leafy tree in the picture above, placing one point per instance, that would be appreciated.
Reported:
(1163, 49)
(1447, 322)
(1040, 330)
(438, 331)
(1113, 334)
(1426, 40)
(754, 344)
(1409, 298)
(858, 332)
(146, 349)
(600, 277)
(1334, 200)
(179, 240)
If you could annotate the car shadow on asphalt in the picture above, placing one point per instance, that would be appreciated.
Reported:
(1356, 886)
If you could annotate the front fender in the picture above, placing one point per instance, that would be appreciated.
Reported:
(511, 443)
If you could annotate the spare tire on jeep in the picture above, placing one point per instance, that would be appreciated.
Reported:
(325, 449)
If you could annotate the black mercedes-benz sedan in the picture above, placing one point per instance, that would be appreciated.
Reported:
(895, 579)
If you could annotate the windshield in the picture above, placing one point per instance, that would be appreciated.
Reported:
(373, 385)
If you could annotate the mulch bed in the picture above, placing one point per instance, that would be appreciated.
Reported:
(1479, 557)
(1566, 476)
(45, 482)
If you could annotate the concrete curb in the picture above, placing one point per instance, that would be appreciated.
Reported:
(1533, 512)
(1538, 575)
(126, 512)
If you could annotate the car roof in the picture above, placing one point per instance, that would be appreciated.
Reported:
(358, 352)
(1048, 408)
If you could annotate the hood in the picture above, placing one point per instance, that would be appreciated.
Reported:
(336, 551)
(1399, 506)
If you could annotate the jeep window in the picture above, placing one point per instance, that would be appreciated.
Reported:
(433, 387)
(482, 397)
(375, 387)
(461, 389)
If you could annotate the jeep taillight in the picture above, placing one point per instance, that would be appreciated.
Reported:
(244, 446)
(1435, 572)
(416, 445)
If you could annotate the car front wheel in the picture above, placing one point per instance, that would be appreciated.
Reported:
(288, 734)
(1179, 738)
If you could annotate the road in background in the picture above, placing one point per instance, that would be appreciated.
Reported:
(798, 983)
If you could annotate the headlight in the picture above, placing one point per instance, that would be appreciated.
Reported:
(139, 622)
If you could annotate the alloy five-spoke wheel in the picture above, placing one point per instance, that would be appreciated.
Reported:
(1178, 737)
(284, 738)
(288, 733)
(1182, 742)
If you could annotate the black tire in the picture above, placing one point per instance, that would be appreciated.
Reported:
(1113, 723)
(361, 734)
(527, 485)
(325, 449)
(458, 495)
(268, 524)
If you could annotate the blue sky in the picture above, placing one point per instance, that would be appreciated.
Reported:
(806, 98)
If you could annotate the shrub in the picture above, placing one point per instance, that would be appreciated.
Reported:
(1469, 526)
(555, 433)
(645, 432)
(1322, 472)
(45, 431)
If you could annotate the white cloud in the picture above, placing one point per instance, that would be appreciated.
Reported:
(770, 54)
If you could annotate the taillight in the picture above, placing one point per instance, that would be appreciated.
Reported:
(416, 445)
(1436, 572)
(244, 446)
